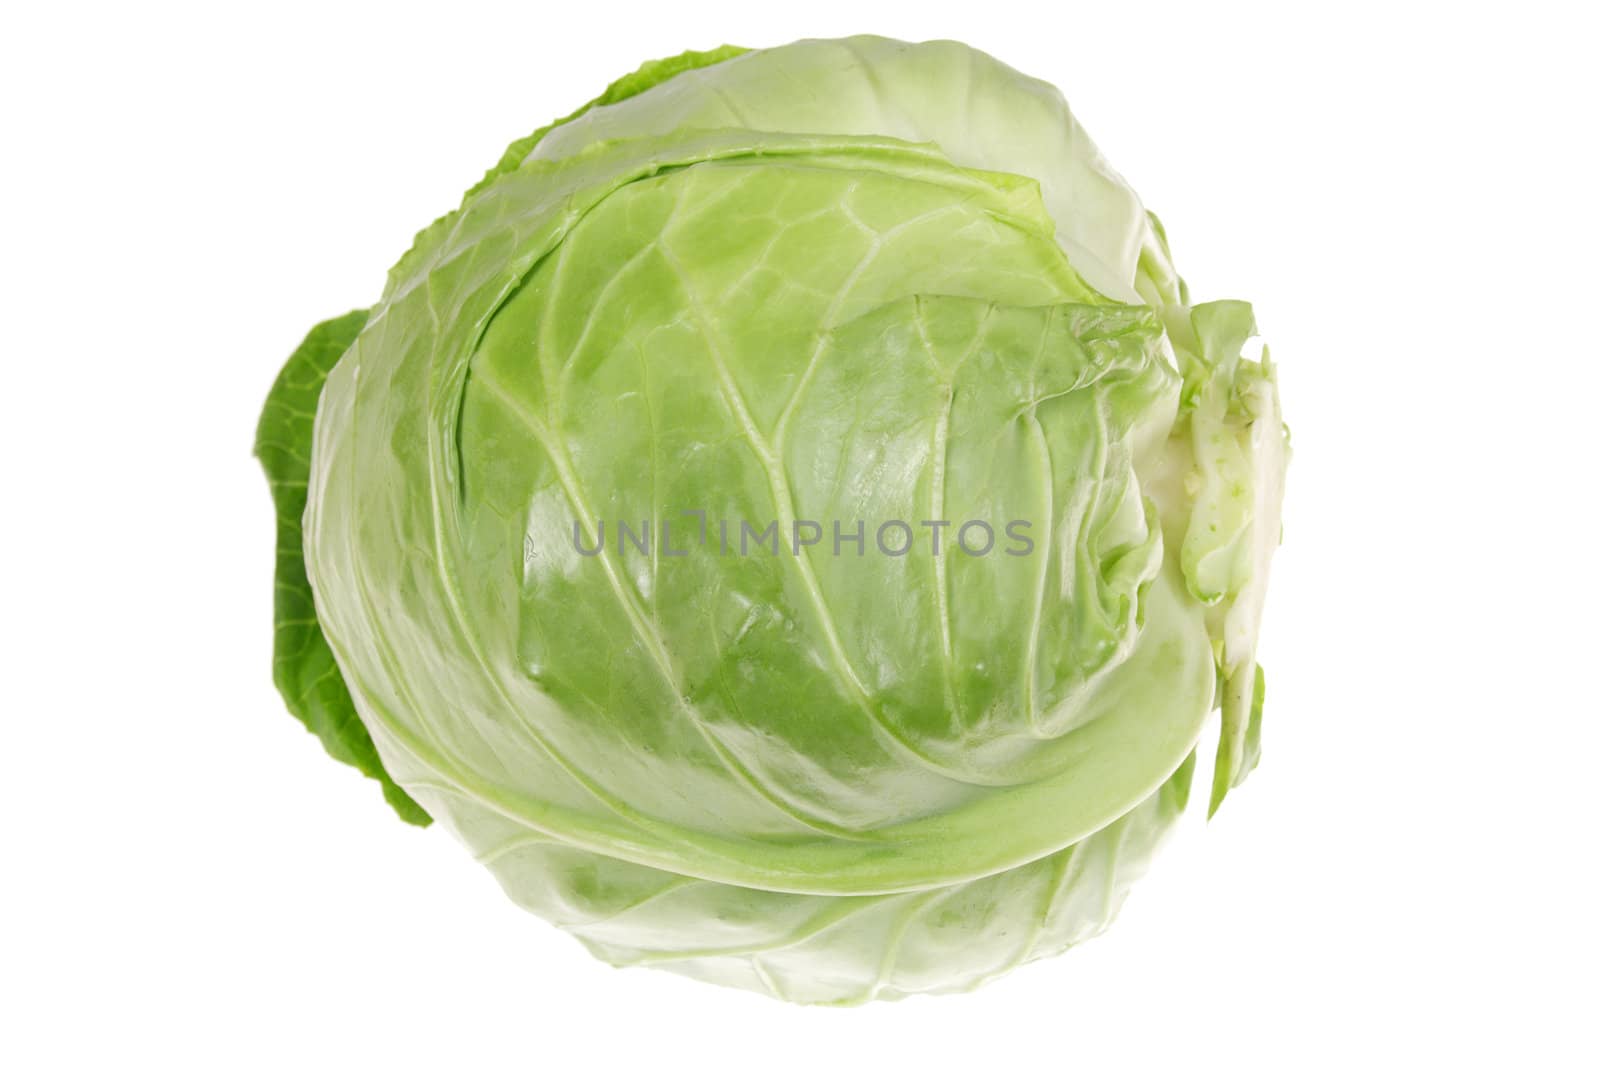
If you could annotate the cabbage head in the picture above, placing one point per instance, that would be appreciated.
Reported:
(789, 522)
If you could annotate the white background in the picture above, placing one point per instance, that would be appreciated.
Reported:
(1407, 195)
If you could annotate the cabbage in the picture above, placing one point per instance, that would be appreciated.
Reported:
(789, 522)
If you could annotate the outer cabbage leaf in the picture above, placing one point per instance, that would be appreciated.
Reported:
(302, 664)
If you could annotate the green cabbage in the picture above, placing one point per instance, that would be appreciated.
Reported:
(622, 507)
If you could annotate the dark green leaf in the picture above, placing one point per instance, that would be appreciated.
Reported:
(302, 663)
